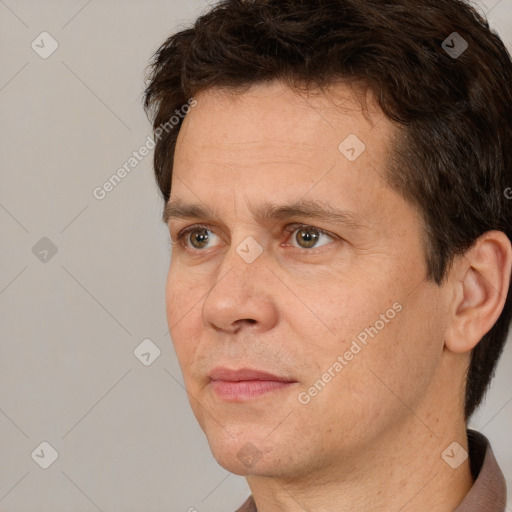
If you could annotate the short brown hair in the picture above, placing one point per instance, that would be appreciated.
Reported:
(453, 158)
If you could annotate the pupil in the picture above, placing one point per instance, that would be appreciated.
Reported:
(200, 239)
(307, 238)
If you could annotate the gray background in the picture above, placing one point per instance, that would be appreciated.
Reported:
(70, 321)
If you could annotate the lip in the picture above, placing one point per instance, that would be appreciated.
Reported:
(245, 384)
(225, 374)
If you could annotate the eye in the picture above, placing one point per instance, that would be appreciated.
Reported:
(309, 237)
(197, 237)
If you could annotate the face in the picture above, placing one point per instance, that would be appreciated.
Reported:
(292, 256)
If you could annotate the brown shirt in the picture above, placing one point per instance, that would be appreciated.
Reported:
(489, 491)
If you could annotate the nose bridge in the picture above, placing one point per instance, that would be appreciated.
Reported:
(241, 265)
(239, 292)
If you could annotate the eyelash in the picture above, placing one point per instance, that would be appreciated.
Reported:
(181, 237)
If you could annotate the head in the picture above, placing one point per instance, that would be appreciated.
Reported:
(355, 107)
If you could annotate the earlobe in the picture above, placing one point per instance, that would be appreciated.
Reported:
(480, 290)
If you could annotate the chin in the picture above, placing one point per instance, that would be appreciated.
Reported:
(244, 453)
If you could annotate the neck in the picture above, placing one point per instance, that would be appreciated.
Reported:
(403, 470)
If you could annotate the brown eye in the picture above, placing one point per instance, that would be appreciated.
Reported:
(307, 237)
(199, 238)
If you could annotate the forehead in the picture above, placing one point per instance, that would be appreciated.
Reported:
(274, 118)
(274, 141)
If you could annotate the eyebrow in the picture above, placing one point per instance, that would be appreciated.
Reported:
(269, 212)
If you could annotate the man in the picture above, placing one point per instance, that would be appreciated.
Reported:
(338, 294)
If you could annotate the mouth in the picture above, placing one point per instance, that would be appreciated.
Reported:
(246, 384)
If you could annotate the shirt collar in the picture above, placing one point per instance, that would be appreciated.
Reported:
(489, 491)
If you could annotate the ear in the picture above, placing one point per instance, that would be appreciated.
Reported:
(480, 279)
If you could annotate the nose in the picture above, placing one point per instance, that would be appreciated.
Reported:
(242, 297)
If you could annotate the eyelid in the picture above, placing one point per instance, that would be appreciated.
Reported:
(188, 229)
(181, 236)
(290, 228)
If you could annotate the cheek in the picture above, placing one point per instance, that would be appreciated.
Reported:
(350, 309)
(394, 366)
(173, 291)
(422, 332)
(378, 326)
(404, 357)
(183, 308)
(181, 294)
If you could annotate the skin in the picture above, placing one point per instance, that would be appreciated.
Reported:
(372, 438)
